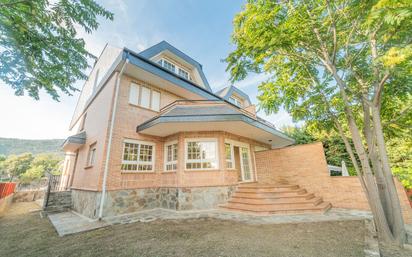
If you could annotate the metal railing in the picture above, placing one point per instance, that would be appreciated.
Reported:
(53, 185)
(338, 171)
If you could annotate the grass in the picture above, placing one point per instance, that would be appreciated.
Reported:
(24, 233)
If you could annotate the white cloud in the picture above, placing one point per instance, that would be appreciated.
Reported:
(24, 117)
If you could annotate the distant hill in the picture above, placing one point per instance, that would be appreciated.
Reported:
(10, 146)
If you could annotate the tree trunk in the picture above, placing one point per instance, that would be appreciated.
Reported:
(398, 226)
(376, 165)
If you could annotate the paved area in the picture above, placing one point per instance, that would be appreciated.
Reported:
(67, 223)
(165, 214)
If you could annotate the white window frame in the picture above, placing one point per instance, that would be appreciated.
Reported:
(236, 101)
(139, 95)
(163, 60)
(232, 156)
(175, 142)
(201, 160)
(177, 68)
(138, 162)
(91, 155)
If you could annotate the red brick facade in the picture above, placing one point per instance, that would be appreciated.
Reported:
(306, 166)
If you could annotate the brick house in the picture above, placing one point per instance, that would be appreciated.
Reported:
(148, 132)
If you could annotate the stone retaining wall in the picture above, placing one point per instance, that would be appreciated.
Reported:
(28, 196)
(133, 200)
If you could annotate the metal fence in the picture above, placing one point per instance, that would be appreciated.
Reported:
(7, 189)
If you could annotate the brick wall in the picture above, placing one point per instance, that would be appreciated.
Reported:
(306, 166)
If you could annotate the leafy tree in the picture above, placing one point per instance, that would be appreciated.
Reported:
(40, 166)
(2, 171)
(16, 165)
(335, 150)
(38, 44)
(400, 154)
(301, 135)
(339, 66)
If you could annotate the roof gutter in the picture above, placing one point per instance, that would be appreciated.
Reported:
(109, 145)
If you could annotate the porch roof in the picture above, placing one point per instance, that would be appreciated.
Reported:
(188, 116)
(72, 143)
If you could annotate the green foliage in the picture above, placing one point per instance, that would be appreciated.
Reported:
(300, 134)
(328, 58)
(335, 151)
(26, 167)
(16, 165)
(41, 165)
(38, 44)
(400, 153)
(18, 146)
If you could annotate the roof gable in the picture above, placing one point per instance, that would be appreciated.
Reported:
(227, 92)
(165, 46)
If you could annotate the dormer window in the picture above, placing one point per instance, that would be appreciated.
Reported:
(236, 101)
(168, 65)
(183, 73)
(174, 68)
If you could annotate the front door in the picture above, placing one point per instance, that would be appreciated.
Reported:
(245, 164)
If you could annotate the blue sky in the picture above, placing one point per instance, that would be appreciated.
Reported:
(201, 29)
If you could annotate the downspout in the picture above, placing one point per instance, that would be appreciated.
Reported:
(109, 145)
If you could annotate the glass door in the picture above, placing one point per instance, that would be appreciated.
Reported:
(245, 164)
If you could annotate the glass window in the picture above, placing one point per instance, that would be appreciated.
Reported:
(91, 156)
(183, 73)
(171, 156)
(201, 155)
(144, 96)
(168, 65)
(229, 156)
(145, 100)
(134, 94)
(138, 156)
(155, 101)
(236, 101)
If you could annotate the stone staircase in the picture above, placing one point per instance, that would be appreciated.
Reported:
(268, 199)
(60, 201)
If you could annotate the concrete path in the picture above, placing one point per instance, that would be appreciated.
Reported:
(67, 223)
(165, 214)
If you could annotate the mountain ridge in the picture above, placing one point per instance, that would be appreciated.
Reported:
(10, 146)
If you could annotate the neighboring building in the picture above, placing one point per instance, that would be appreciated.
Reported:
(148, 132)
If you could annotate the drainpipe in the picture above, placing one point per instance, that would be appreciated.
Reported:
(109, 145)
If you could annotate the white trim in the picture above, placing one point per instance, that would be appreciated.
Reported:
(136, 141)
(237, 143)
(217, 159)
(109, 144)
(165, 162)
(139, 94)
(249, 162)
(138, 162)
(176, 65)
(248, 146)
(232, 156)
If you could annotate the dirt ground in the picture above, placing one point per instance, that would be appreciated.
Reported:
(24, 233)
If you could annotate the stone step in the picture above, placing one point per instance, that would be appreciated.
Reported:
(320, 208)
(254, 194)
(261, 186)
(273, 197)
(279, 201)
(268, 189)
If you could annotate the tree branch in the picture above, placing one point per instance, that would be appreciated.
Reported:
(379, 89)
